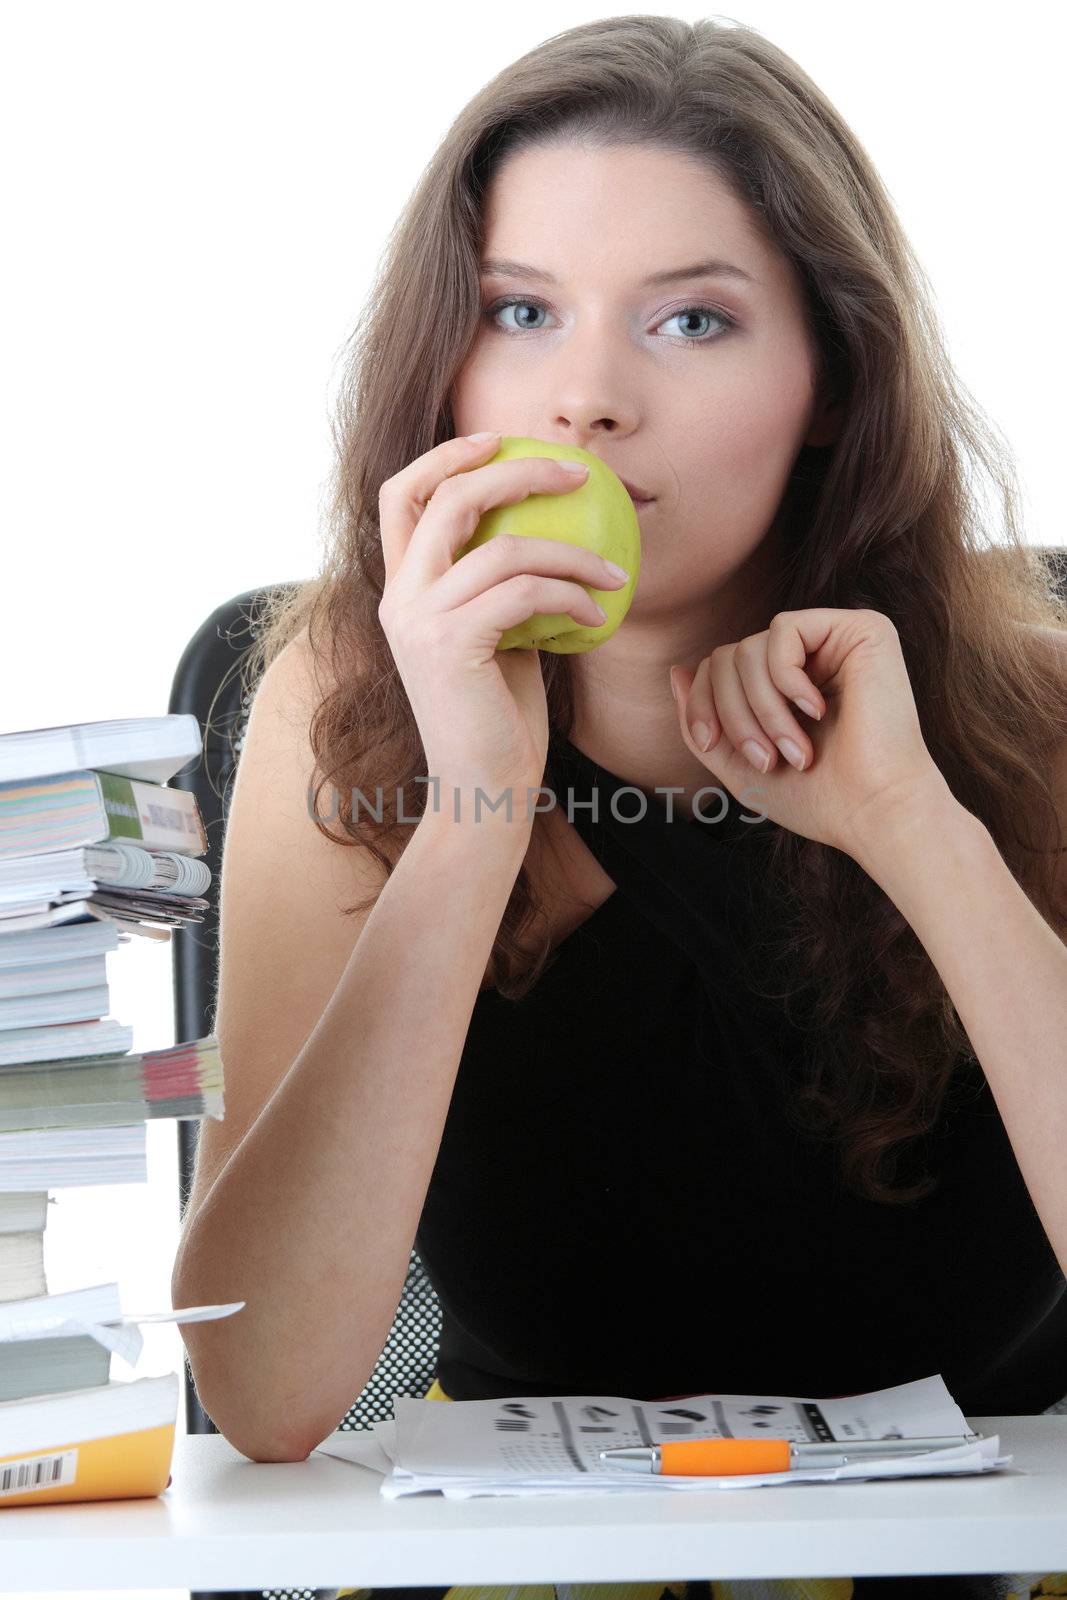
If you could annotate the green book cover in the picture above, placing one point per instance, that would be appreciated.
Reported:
(123, 816)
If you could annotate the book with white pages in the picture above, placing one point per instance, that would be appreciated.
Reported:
(126, 905)
(62, 1158)
(25, 1212)
(52, 1359)
(117, 864)
(62, 1041)
(154, 748)
(23, 1220)
(35, 1159)
(67, 810)
(22, 1267)
(88, 1003)
(182, 1081)
(173, 910)
(111, 1441)
(51, 978)
(77, 913)
(108, 1440)
(50, 948)
(96, 1312)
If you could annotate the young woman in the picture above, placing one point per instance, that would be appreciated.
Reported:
(761, 1095)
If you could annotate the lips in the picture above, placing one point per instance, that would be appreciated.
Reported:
(634, 490)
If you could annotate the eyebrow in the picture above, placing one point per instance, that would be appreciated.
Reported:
(497, 266)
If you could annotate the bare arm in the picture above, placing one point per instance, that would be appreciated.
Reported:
(312, 1215)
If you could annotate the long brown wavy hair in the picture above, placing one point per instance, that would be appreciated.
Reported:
(889, 517)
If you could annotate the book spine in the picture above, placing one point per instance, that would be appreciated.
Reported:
(129, 1466)
(154, 815)
(122, 865)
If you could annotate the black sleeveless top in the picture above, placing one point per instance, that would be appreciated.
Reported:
(620, 1206)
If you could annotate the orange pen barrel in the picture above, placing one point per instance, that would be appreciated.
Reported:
(716, 1458)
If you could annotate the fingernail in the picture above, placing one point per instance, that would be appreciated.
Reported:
(477, 437)
(792, 753)
(574, 466)
(756, 754)
(701, 735)
(806, 705)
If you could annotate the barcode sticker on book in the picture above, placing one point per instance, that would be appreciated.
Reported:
(38, 1472)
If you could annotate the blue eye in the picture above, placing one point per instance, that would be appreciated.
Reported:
(539, 305)
(702, 311)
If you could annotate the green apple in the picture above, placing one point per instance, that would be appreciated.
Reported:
(599, 514)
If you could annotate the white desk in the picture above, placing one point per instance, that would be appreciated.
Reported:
(229, 1523)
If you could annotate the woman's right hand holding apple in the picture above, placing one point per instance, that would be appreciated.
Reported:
(482, 713)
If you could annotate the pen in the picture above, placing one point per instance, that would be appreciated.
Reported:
(715, 1458)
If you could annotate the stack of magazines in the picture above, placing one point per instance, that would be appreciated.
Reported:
(94, 847)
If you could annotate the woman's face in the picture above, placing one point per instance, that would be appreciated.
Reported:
(700, 390)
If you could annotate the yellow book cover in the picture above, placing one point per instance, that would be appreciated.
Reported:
(111, 1442)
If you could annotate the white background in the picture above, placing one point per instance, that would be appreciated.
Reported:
(195, 197)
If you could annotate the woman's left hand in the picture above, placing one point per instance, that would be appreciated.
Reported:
(865, 749)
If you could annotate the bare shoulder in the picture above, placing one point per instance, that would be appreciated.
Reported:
(295, 681)
(281, 765)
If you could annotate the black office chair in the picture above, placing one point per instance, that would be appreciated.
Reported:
(208, 684)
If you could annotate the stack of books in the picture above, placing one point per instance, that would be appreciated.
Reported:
(94, 848)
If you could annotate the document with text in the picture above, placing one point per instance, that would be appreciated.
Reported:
(523, 1445)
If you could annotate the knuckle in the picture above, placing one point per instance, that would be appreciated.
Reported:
(511, 548)
(447, 489)
(407, 629)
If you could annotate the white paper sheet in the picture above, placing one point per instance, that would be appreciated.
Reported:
(525, 1445)
(93, 1311)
